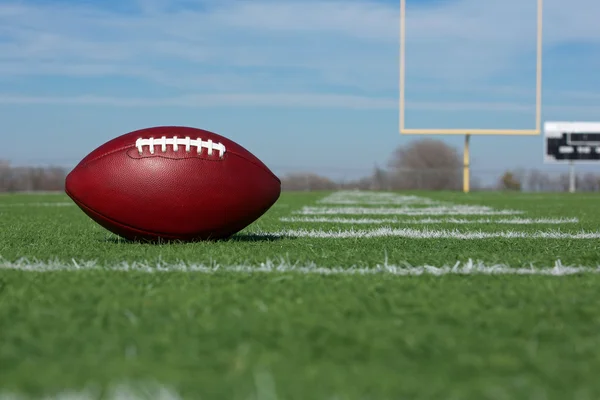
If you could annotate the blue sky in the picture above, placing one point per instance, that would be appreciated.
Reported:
(303, 84)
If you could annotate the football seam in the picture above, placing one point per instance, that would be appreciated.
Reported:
(267, 170)
(105, 154)
(167, 157)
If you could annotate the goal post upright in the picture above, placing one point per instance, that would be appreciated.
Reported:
(467, 131)
(466, 165)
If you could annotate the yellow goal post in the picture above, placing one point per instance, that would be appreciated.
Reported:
(468, 132)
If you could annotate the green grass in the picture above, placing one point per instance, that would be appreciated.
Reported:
(230, 335)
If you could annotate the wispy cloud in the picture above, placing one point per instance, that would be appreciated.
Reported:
(212, 100)
(340, 52)
(286, 100)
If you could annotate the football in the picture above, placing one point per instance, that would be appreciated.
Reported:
(173, 183)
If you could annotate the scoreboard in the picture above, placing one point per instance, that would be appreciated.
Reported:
(571, 142)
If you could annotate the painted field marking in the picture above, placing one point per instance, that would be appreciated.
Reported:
(366, 193)
(377, 202)
(509, 221)
(468, 267)
(38, 204)
(438, 210)
(349, 197)
(424, 234)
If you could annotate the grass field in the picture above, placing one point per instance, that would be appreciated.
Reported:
(346, 295)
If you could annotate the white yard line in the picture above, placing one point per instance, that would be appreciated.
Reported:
(376, 201)
(33, 193)
(358, 197)
(425, 234)
(358, 194)
(440, 210)
(468, 267)
(37, 204)
(117, 392)
(510, 221)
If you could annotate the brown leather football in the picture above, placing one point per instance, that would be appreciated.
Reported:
(172, 182)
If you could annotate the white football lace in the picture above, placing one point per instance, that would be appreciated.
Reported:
(163, 142)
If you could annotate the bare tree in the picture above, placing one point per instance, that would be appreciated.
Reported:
(426, 164)
(379, 181)
(520, 175)
(589, 182)
(538, 181)
(563, 182)
(510, 181)
(5, 175)
(17, 179)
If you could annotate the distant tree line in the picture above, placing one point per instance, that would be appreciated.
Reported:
(426, 164)
(538, 181)
(430, 164)
(31, 179)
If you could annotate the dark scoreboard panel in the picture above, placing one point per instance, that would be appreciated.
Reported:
(583, 138)
(562, 144)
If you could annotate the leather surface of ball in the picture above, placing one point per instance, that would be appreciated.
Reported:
(172, 182)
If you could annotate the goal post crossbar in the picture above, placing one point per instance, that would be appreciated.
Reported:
(430, 131)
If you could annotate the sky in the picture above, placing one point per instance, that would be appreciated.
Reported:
(306, 85)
